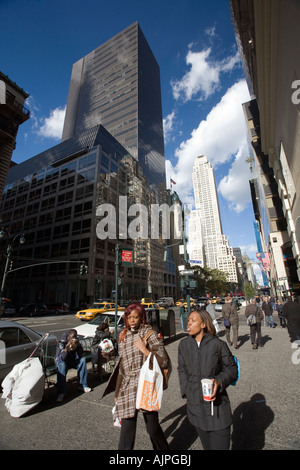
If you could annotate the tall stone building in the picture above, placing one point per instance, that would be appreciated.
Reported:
(267, 34)
(210, 242)
(12, 115)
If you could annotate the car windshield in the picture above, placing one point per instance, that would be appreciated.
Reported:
(97, 306)
(110, 319)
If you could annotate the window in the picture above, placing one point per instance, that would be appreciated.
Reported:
(287, 175)
(13, 337)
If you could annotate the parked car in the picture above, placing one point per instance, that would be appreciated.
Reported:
(17, 342)
(165, 302)
(94, 309)
(200, 302)
(191, 303)
(58, 308)
(89, 328)
(218, 305)
(151, 305)
(33, 309)
(9, 309)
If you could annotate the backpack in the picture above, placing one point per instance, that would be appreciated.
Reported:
(251, 320)
(239, 370)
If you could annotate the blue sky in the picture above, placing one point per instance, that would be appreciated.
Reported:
(202, 82)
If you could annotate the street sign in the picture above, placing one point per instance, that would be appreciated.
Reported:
(127, 257)
(187, 272)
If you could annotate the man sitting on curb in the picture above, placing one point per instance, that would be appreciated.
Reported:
(69, 355)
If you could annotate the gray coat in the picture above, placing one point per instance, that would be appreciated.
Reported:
(212, 359)
(230, 311)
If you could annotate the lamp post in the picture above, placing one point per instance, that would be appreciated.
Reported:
(9, 249)
(117, 264)
(183, 239)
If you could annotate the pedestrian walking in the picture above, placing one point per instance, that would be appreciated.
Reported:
(279, 308)
(254, 315)
(124, 380)
(203, 355)
(210, 308)
(231, 320)
(268, 311)
(291, 311)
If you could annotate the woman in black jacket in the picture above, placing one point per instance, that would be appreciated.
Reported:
(203, 355)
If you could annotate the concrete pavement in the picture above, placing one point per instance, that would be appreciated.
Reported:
(264, 403)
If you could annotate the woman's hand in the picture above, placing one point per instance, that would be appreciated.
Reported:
(216, 385)
(140, 344)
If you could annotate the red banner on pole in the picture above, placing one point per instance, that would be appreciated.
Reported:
(127, 257)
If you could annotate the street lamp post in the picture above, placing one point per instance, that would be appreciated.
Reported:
(186, 262)
(117, 264)
(183, 240)
(7, 263)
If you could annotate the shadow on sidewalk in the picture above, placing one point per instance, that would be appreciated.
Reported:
(250, 421)
(182, 432)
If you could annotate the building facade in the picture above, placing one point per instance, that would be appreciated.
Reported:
(57, 197)
(118, 85)
(216, 250)
(12, 115)
(268, 36)
(53, 199)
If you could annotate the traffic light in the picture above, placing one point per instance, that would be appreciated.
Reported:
(83, 269)
(11, 265)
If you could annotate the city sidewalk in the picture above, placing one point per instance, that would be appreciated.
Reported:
(264, 405)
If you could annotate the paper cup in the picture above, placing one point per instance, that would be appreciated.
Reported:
(207, 389)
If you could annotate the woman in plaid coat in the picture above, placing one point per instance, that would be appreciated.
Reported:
(132, 353)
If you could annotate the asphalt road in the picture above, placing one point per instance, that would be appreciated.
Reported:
(264, 403)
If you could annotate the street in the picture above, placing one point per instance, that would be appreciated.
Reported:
(264, 402)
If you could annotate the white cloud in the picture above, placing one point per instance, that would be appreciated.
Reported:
(235, 186)
(203, 78)
(168, 125)
(220, 136)
(52, 126)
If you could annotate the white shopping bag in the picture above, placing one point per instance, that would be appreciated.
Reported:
(216, 325)
(150, 386)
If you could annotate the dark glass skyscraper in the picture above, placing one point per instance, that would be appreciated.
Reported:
(118, 85)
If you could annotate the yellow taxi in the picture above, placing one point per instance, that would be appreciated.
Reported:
(151, 305)
(94, 309)
(179, 303)
(191, 303)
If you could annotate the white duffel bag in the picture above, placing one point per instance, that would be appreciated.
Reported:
(23, 387)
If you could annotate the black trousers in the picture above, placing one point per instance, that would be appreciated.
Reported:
(215, 440)
(255, 334)
(128, 430)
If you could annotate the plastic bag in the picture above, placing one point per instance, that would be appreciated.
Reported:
(116, 421)
(23, 387)
(106, 345)
(216, 325)
(150, 386)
